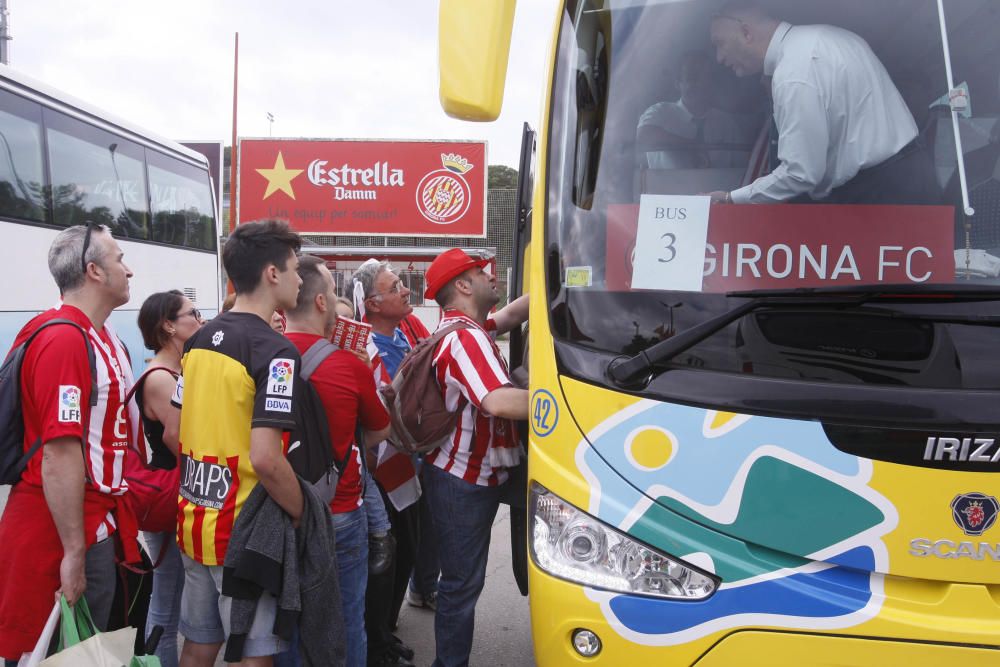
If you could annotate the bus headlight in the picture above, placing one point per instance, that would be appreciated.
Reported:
(573, 545)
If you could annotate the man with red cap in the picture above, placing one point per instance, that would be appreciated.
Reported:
(464, 476)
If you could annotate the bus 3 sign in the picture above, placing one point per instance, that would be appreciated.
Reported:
(670, 242)
(544, 413)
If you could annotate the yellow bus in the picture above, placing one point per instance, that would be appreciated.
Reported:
(761, 433)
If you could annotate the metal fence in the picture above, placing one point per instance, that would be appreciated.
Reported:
(501, 221)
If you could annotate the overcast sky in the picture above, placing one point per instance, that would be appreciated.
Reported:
(332, 69)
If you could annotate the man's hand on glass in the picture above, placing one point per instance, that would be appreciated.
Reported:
(720, 197)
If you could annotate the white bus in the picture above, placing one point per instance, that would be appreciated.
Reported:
(63, 162)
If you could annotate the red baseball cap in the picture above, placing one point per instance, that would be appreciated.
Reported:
(448, 265)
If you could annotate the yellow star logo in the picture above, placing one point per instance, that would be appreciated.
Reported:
(279, 178)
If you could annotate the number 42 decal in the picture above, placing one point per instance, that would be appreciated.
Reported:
(544, 413)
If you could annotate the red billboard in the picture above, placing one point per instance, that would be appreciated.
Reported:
(365, 187)
(774, 246)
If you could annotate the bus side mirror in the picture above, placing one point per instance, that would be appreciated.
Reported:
(473, 46)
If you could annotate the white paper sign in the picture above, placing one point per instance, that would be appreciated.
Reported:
(670, 242)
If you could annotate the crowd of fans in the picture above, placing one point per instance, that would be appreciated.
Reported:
(195, 456)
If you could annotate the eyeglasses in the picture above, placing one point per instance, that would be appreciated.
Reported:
(86, 244)
(194, 312)
(397, 288)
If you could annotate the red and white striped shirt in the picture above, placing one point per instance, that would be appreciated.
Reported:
(469, 366)
(394, 469)
(55, 390)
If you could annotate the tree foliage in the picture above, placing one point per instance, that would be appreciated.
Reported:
(501, 176)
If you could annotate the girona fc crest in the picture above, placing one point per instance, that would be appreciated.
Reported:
(443, 195)
(975, 513)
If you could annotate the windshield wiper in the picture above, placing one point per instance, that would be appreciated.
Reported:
(625, 371)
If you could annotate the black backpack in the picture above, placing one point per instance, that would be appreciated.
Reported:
(310, 451)
(13, 458)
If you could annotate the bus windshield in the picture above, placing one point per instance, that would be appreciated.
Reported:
(702, 153)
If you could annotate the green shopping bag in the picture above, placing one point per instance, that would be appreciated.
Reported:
(82, 645)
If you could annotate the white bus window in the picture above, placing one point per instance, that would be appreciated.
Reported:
(96, 176)
(182, 203)
(21, 173)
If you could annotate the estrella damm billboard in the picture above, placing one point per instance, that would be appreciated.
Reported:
(365, 187)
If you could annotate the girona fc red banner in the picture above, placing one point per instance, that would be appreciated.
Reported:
(774, 246)
(365, 187)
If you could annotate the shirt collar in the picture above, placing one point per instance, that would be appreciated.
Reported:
(73, 313)
(398, 338)
(457, 315)
(775, 48)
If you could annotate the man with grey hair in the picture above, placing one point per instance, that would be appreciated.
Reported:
(59, 520)
(383, 300)
(841, 132)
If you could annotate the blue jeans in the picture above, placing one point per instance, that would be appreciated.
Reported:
(378, 517)
(351, 529)
(352, 567)
(462, 515)
(168, 585)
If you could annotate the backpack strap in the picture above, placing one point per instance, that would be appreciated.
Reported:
(91, 358)
(91, 362)
(142, 378)
(314, 356)
(439, 335)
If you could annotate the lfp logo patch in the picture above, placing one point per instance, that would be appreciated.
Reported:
(69, 404)
(975, 513)
(279, 382)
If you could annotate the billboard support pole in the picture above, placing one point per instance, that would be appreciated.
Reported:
(233, 153)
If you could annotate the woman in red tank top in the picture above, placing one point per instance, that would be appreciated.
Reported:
(166, 320)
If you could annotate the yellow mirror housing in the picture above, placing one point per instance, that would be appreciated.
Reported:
(473, 47)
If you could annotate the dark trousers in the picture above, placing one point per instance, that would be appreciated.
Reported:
(101, 581)
(426, 568)
(385, 591)
(462, 515)
(905, 178)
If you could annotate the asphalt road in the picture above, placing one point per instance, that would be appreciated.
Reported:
(503, 628)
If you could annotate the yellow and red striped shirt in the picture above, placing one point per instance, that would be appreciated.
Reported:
(238, 374)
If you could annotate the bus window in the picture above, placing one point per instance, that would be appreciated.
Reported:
(21, 173)
(414, 281)
(341, 282)
(96, 176)
(182, 203)
(591, 99)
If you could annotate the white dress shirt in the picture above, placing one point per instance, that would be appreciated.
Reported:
(718, 127)
(837, 112)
